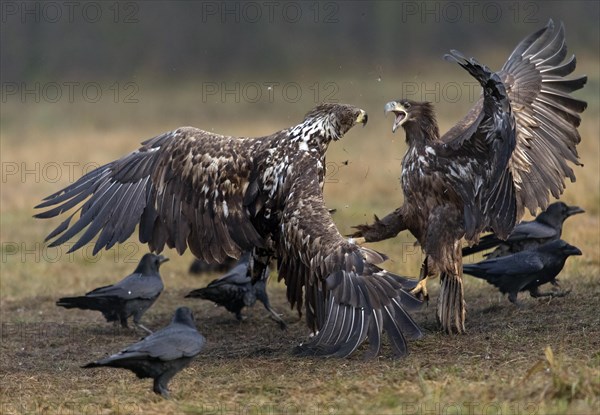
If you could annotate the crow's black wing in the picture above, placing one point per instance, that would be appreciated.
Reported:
(132, 286)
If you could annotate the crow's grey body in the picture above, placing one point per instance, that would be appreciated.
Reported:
(131, 296)
(235, 290)
(162, 354)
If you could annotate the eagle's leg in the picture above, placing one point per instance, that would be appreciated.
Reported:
(259, 271)
(275, 316)
(381, 229)
(451, 303)
(259, 264)
(420, 291)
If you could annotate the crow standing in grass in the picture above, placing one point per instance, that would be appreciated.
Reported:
(221, 196)
(235, 290)
(131, 296)
(510, 152)
(546, 227)
(162, 354)
(526, 270)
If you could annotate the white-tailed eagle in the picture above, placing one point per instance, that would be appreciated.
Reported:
(221, 196)
(510, 152)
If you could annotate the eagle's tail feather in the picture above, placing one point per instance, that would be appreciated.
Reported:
(451, 304)
(361, 307)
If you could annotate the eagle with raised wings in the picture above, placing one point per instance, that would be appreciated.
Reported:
(221, 196)
(508, 154)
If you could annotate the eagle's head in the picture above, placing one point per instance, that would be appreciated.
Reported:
(409, 113)
(332, 121)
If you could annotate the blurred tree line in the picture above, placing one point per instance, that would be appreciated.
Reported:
(183, 39)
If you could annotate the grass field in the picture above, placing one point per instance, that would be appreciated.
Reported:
(542, 358)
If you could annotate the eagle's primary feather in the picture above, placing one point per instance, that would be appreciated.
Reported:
(509, 153)
(221, 196)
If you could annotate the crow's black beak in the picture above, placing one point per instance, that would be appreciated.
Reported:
(573, 210)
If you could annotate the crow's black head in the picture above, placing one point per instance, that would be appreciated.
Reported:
(150, 263)
(560, 247)
(184, 315)
(556, 213)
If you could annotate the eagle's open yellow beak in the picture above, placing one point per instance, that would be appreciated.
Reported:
(362, 118)
(399, 111)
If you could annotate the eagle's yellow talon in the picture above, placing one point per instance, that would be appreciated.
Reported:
(358, 241)
(420, 291)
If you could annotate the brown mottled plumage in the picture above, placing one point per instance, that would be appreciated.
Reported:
(509, 153)
(221, 196)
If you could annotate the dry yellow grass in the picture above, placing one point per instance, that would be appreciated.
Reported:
(500, 366)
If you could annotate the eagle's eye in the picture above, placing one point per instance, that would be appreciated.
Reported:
(407, 105)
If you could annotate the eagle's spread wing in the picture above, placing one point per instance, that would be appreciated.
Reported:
(157, 187)
(547, 116)
(523, 136)
(483, 151)
(347, 298)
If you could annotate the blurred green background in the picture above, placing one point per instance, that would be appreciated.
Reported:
(169, 41)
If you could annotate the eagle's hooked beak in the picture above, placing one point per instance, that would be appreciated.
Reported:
(362, 118)
(399, 111)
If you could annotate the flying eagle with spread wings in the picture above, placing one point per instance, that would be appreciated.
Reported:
(508, 154)
(221, 196)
